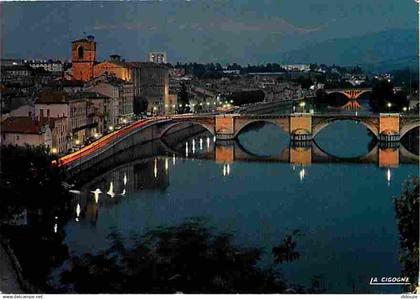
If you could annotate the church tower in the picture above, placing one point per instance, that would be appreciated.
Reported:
(83, 58)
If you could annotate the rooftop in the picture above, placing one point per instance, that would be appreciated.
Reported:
(22, 124)
(89, 95)
(52, 97)
(143, 64)
(67, 83)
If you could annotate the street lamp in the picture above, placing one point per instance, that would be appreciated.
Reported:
(302, 105)
(389, 106)
(405, 109)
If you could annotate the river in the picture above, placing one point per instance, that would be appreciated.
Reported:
(343, 211)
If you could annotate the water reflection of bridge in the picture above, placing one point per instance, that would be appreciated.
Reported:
(300, 153)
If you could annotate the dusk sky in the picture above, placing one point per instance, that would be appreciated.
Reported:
(201, 31)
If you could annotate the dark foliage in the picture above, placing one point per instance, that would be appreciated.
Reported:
(246, 97)
(29, 181)
(31, 189)
(183, 99)
(407, 210)
(188, 258)
(286, 252)
(383, 93)
(140, 105)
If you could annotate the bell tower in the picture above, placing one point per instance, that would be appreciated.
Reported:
(83, 57)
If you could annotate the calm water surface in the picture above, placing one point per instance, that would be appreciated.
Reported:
(344, 211)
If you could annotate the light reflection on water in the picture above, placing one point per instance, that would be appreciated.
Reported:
(344, 210)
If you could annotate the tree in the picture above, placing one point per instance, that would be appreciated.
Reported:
(183, 99)
(304, 82)
(407, 211)
(29, 181)
(383, 95)
(29, 184)
(188, 258)
(140, 105)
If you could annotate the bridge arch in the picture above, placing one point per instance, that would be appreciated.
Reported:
(282, 124)
(405, 153)
(370, 125)
(366, 157)
(352, 94)
(407, 128)
(206, 126)
(361, 93)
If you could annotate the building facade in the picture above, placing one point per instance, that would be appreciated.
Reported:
(120, 93)
(47, 65)
(151, 83)
(83, 58)
(158, 57)
(24, 130)
(57, 104)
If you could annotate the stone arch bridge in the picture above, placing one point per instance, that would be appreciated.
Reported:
(303, 126)
(300, 127)
(300, 153)
(354, 93)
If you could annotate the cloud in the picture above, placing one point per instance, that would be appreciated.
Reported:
(274, 25)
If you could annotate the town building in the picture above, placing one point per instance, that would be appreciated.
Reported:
(83, 58)
(158, 57)
(85, 66)
(97, 108)
(10, 62)
(56, 104)
(121, 96)
(70, 86)
(115, 67)
(59, 134)
(47, 65)
(151, 84)
(25, 130)
(24, 110)
(16, 74)
(171, 103)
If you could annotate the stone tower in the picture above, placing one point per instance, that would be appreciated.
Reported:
(83, 57)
